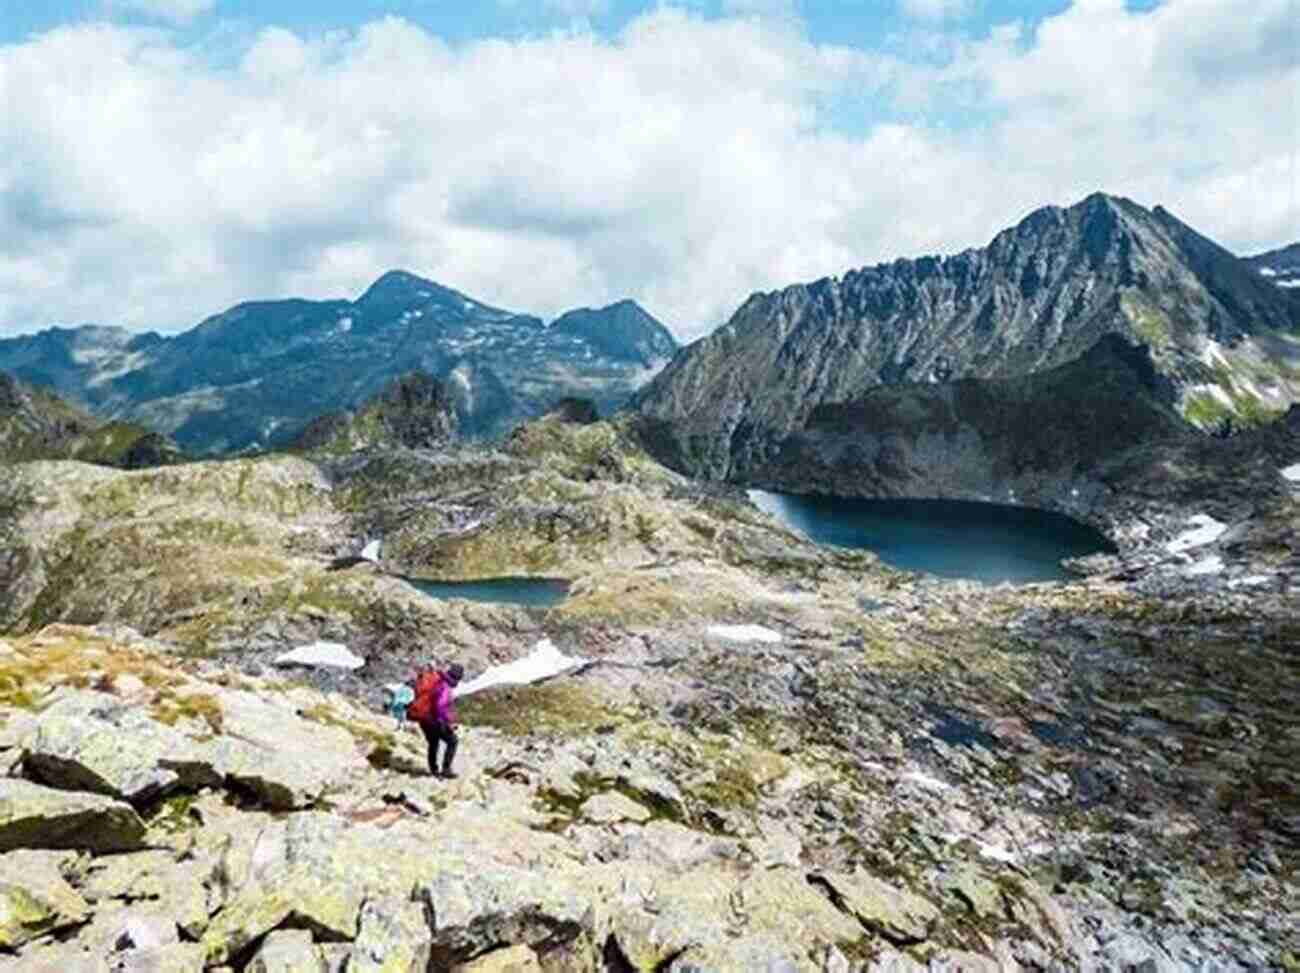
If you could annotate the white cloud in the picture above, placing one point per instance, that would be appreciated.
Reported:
(177, 11)
(686, 162)
(936, 9)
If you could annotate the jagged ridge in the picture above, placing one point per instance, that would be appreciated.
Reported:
(1039, 295)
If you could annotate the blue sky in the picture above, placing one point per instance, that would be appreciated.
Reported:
(862, 23)
(163, 159)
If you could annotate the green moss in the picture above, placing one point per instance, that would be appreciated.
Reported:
(376, 738)
(173, 814)
(538, 709)
(170, 707)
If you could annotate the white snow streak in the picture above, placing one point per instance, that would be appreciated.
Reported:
(1205, 530)
(1291, 472)
(744, 633)
(1207, 565)
(543, 662)
(332, 654)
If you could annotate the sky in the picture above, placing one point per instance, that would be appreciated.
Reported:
(162, 160)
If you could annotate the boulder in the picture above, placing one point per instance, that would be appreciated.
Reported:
(261, 745)
(172, 958)
(976, 892)
(32, 816)
(287, 951)
(93, 742)
(720, 919)
(393, 937)
(35, 899)
(900, 916)
(512, 959)
(154, 876)
(612, 807)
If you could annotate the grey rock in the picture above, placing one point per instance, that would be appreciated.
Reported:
(32, 816)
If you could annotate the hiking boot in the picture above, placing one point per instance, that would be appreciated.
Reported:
(449, 775)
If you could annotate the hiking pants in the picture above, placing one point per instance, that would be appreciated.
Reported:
(435, 730)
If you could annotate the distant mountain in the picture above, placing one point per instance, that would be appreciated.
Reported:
(1280, 267)
(36, 424)
(1225, 342)
(413, 411)
(255, 375)
(621, 331)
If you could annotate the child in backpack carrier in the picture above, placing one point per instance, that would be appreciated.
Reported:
(433, 709)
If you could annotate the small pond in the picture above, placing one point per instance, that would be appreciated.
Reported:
(985, 542)
(530, 592)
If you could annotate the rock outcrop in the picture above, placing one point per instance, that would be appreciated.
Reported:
(414, 412)
(1039, 295)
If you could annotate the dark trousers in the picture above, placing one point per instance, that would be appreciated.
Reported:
(435, 731)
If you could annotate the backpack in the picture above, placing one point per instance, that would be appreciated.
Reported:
(427, 685)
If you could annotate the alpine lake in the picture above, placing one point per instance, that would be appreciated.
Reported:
(529, 592)
(986, 542)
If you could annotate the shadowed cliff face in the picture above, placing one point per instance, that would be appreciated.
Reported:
(1040, 295)
(1043, 436)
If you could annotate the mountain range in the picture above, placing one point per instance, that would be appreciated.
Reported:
(257, 374)
(1224, 339)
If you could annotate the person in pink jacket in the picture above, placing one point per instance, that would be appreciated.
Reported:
(434, 709)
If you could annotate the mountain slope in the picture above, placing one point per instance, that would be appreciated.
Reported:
(257, 374)
(1226, 343)
(36, 424)
(1280, 267)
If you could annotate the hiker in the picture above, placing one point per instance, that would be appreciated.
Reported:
(435, 713)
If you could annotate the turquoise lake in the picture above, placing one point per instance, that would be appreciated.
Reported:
(530, 592)
(983, 542)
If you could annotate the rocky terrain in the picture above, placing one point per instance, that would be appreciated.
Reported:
(1224, 340)
(255, 375)
(781, 757)
(35, 424)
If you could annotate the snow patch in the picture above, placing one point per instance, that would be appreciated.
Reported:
(371, 551)
(744, 633)
(1267, 272)
(1250, 581)
(925, 780)
(543, 662)
(1206, 565)
(1288, 283)
(345, 325)
(1205, 530)
(326, 654)
(1291, 472)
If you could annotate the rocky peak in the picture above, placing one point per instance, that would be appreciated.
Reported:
(1039, 295)
(400, 286)
(623, 330)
